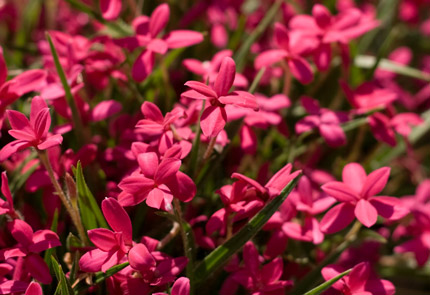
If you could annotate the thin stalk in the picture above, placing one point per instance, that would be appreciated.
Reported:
(76, 218)
(77, 123)
(312, 277)
(188, 251)
(209, 149)
(257, 79)
(170, 236)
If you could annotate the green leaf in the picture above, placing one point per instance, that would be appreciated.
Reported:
(91, 214)
(242, 53)
(222, 253)
(78, 127)
(50, 252)
(64, 286)
(101, 276)
(324, 286)
(368, 62)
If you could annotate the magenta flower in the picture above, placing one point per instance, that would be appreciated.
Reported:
(256, 279)
(11, 90)
(361, 280)
(29, 244)
(327, 29)
(30, 133)
(214, 116)
(160, 131)
(112, 246)
(385, 128)
(290, 50)
(209, 69)
(34, 289)
(368, 96)
(157, 182)
(357, 194)
(327, 122)
(147, 31)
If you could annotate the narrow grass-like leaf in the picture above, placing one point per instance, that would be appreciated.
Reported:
(64, 286)
(101, 276)
(368, 62)
(242, 53)
(257, 79)
(222, 253)
(50, 252)
(324, 286)
(91, 214)
(78, 127)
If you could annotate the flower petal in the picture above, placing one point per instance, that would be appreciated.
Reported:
(337, 218)
(366, 213)
(225, 77)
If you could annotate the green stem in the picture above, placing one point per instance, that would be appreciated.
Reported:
(74, 214)
(77, 123)
(188, 249)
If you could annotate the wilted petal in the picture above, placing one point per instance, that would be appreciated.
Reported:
(117, 218)
(366, 213)
(337, 218)
(110, 9)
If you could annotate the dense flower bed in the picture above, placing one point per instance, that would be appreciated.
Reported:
(214, 147)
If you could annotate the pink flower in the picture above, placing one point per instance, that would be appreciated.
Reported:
(368, 96)
(327, 122)
(160, 131)
(256, 279)
(384, 128)
(147, 31)
(357, 194)
(214, 116)
(290, 50)
(30, 133)
(327, 29)
(112, 246)
(11, 90)
(209, 69)
(29, 244)
(361, 280)
(157, 182)
(150, 268)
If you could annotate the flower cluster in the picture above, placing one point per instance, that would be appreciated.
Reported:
(228, 147)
